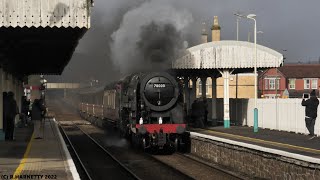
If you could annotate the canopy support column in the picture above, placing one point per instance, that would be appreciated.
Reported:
(226, 97)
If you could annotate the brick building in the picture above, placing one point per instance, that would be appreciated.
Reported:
(295, 78)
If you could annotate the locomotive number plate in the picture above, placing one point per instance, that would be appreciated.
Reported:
(159, 85)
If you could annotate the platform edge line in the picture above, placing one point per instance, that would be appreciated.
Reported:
(24, 159)
(71, 166)
(259, 148)
(266, 141)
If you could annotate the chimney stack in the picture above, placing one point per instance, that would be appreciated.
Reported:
(204, 34)
(215, 29)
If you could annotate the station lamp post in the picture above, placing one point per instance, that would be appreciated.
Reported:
(238, 19)
(252, 17)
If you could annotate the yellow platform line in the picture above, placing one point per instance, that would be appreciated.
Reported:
(289, 146)
(24, 159)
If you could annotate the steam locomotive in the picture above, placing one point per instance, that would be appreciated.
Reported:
(146, 107)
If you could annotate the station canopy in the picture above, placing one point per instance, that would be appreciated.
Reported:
(227, 55)
(39, 37)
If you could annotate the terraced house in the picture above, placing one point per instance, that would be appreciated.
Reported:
(290, 80)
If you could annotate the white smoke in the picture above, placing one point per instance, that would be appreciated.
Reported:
(124, 50)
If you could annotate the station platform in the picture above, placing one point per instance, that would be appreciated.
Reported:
(29, 158)
(272, 141)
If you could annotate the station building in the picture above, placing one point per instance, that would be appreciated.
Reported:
(222, 59)
(37, 38)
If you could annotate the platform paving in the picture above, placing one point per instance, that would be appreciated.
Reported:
(38, 158)
(279, 140)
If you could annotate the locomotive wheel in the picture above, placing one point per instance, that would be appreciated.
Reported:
(144, 144)
(133, 141)
(185, 143)
(122, 133)
(176, 144)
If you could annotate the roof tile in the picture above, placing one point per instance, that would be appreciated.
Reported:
(300, 70)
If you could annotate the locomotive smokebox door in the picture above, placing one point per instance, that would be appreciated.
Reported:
(159, 91)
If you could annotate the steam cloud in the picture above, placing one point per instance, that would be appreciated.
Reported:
(158, 45)
(93, 58)
(149, 37)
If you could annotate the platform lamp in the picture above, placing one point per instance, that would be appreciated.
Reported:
(43, 86)
(238, 19)
(252, 17)
(255, 125)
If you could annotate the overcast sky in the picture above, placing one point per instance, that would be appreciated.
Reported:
(291, 25)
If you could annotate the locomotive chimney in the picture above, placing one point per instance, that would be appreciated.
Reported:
(215, 29)
(204, 34)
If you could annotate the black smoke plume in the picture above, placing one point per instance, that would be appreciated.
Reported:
(158, 45)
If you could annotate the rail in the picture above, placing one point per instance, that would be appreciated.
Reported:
(130, 173)
(75, 153)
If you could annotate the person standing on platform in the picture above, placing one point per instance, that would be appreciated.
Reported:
(36, 116)
(24, 111)
(193, 112)
(5, 110)
(198, 113)
(43, 104)
(205, 104)
(311, 112)
(12, 111)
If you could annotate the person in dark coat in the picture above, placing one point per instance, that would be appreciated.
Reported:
(193, 110)
(11, 112)
(205, 104)
(5, 106)
(198, 113)
(24, 110)
(43, 105)
(311, 112)
(36, 116)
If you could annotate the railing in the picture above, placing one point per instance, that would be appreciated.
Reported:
(277, 114)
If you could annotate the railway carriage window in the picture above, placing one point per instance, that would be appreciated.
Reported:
(111, 100)
(114, 100)
(108, 100)
(110, 97)
(105, 99)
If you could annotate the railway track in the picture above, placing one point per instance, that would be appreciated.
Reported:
(143, 166)
(98, 163)
(146, 166)
(78, 131)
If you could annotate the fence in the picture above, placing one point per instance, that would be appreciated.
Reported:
(277, 114)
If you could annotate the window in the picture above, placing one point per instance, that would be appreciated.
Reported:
(278, 83)
(311, 83)
(306, 83)
(190, 84)
(266, 84)
(272, 84)
(314, 83)
(200, 87)
(292, 84)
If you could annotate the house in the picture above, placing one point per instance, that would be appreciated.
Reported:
(295, 78)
